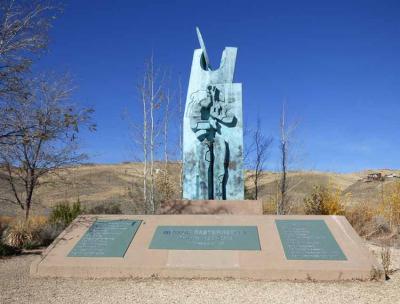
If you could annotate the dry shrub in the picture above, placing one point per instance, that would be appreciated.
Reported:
(389, 207)
(110, 208)
(269, 207)
(49, 233)
(4, 222)
(166, 188)
(295, 207)
(5, 250)
(38, 221)
(24, 233)
(376, 274)
(361, 217)
(386, 259)
(324, 201)
(274, 201)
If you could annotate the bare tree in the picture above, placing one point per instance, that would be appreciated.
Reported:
(284, 151)
(171, 111)
(156, 94)
(164, 184)
(24, 29)
(151, 92)
(180, 121)
(262, 145)
(144, 143)
(257, 155)
(166, 130)
(286, 133)
(50, 124)
(152, 104)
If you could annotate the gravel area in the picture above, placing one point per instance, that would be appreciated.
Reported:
(17, 287)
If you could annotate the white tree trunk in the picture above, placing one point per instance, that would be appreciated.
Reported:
(180, 136)
(145, 201)
(152, 103)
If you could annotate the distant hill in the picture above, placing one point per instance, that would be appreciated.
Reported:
(97, 184)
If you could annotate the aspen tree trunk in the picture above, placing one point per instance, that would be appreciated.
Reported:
(166, 122)
(283, 150)
(145, 201)
(180, 136)
(152, 95)
(152, 104)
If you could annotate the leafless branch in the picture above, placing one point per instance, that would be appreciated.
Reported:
(50, 124)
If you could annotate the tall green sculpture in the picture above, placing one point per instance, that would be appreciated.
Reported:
(213, 130)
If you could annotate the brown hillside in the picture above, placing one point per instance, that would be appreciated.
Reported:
(121, 184)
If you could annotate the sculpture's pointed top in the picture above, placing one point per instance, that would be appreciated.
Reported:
(203, 47)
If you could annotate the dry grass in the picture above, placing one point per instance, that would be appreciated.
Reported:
(21, 233)
(5, 221)
(361, 217)
(121, 184)
(269, 207)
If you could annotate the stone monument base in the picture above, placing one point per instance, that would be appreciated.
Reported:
(263, 247)
(250, 207)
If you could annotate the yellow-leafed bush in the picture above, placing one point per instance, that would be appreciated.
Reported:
(324, 201)
(390, 205)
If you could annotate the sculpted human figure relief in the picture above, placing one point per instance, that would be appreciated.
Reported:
(213, 133)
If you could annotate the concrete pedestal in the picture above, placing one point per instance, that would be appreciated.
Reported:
(269, 262)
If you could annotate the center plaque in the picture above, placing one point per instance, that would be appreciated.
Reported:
(106, 239)
(206, 238)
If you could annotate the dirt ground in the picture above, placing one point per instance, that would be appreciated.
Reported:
(17, 287)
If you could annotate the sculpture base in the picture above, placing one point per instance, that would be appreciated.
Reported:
(267, 247)
(250, 207)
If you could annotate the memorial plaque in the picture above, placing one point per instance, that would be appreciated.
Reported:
(106, 239)
(206, 238)
(308, 240)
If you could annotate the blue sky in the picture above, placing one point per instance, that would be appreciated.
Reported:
(336, 63)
